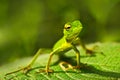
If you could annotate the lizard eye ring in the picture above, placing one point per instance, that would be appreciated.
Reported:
(67, 27)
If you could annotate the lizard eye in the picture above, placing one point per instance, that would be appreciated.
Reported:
(67, 27)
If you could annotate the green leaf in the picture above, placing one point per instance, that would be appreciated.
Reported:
(105, 67)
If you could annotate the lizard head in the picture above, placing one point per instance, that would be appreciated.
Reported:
(72, 30)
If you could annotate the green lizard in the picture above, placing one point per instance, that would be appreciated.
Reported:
(67, 42)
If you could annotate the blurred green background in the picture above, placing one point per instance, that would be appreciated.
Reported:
(27, 25)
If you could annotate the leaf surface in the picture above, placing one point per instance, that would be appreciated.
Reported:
(96, 67)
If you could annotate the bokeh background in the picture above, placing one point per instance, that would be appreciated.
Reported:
(27, 25)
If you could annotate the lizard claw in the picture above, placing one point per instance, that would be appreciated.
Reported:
(66, 66)
(25, 70)
(47, 71)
